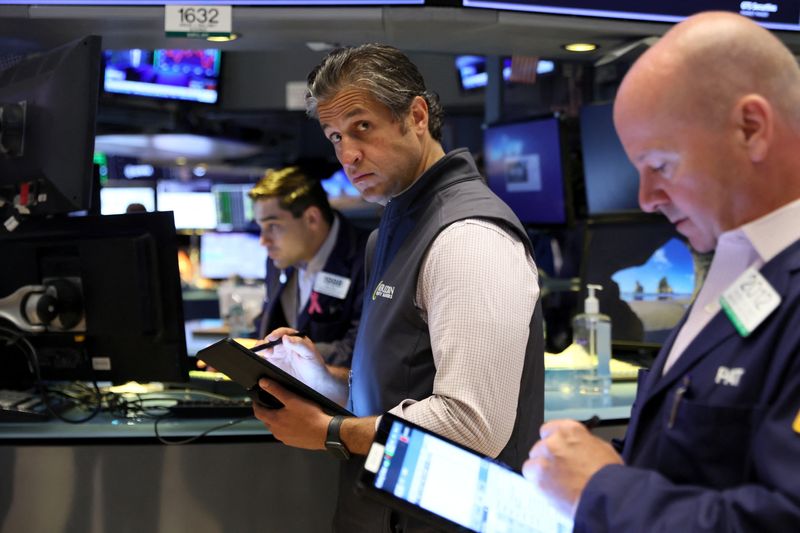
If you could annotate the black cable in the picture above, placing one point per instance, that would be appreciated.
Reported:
(163, 440)
(14, 338)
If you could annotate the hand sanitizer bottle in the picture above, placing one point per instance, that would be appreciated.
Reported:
(592, 331)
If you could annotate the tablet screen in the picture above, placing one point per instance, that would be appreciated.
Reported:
(457, 484)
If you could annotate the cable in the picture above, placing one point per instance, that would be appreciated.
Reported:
(14, 338)
(163, 440)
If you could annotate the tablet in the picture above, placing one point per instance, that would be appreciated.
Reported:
(246, 367)
(452, 487)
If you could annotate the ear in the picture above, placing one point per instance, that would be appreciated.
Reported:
(312, 215)
(754, 118)
(419, 115)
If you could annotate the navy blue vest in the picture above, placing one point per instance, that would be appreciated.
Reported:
(392, 359)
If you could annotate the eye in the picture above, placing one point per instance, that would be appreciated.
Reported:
(660, 168)
(363, 125)
(335, 137)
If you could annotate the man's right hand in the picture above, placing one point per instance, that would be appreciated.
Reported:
(298, 357)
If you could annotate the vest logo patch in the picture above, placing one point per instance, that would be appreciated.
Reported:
(728, 376)
(383, 290)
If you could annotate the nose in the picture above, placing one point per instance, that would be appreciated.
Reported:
(651, 194)
(349, 153)
(264, 239)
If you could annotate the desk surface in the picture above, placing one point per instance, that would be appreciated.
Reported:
(558, 404)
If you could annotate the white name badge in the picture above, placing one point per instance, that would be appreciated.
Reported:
(749, 301)
(331, 285)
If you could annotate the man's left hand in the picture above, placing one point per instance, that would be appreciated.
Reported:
(564, 460)
(299, 423)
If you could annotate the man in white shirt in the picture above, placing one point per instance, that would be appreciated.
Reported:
(710, 117)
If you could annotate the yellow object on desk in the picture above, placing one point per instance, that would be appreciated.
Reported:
(574, 357)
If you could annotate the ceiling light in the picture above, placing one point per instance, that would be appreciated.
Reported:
(580, 47)
(321, 46)
(223, 38)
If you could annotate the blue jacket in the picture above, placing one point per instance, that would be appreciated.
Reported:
(335, 328)
(705, 451)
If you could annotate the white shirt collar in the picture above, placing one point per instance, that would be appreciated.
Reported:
(321, 257)
(775, 231)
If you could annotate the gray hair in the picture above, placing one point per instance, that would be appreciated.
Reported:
(384, 71)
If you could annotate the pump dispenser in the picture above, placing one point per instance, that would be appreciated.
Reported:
(592, 331)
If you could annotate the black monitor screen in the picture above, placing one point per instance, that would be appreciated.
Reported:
(524, 167)
(612, 182)
(49, 104)
(647, 271)
(191, 75)
(128, 320)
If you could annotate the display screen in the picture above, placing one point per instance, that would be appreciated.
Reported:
(223, 255)
(191, 75)
(774, 15)
(524, 168)
(647, 272)
(337, 186)
(461, 486)
(115, 200)
(472, 70)
(234, 206)
(192, 204)
(612, 182)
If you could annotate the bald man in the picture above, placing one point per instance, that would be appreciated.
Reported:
(710, 117)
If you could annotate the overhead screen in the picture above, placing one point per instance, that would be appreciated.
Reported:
(227, 2)
(190, 75)
(612, 182)
(774, 15)
(524, 167)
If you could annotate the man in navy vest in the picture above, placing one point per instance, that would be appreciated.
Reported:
(451, 334)
(710, 117)
(315, 265)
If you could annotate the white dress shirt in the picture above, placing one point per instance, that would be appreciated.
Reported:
(477, 290)
(751, 245)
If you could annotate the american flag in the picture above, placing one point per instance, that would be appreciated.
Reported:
(523, 69)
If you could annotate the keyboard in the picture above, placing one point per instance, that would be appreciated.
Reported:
(27, 406)
(212, 409)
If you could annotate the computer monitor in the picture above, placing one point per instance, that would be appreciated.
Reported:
(126, 322)
(337, 185)
(612, 182)
(49, 103)
(648, 274)
(525, 168)
(192, 203)
(117, 200)
(234, 206)
(223, 255)
(190, 75)
(472, 74)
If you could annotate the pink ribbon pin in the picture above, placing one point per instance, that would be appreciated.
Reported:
(313, 304)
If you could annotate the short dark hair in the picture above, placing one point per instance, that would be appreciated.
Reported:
(295, 191)
(386, 72)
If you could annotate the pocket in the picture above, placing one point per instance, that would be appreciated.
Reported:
(706, 444)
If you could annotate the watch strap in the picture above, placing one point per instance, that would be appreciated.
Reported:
(333, 439)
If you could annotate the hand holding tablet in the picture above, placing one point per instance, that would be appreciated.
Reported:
(246, 368)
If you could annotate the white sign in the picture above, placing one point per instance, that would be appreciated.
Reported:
(198, 21)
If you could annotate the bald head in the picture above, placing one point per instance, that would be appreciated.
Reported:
(710, 117)
(709, 61)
